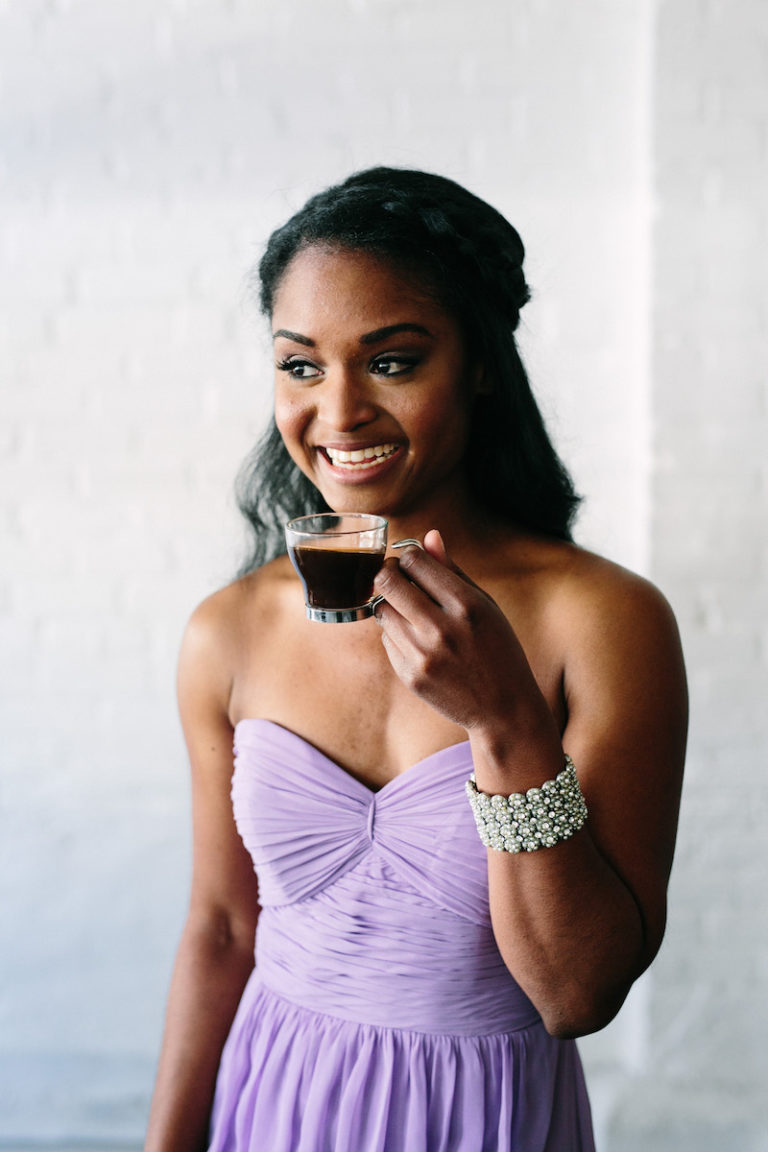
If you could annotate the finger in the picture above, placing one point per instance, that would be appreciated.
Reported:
(397, 640)
(443, 581)
(401, 594)
(413, 653)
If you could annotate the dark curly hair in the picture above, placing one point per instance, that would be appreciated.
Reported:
(471, 259)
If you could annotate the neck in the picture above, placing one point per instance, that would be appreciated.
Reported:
(461, 523)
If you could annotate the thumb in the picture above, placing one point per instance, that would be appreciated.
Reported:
(435, 546)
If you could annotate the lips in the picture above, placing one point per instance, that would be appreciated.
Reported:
(359, 460)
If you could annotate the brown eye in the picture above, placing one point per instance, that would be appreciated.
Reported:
(393, 365)
(298, 369)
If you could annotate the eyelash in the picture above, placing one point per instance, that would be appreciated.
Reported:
(289, 364)
(408, 364)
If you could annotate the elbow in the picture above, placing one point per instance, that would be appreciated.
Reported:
(579, 1007)
(572, 1025)
(221, 936)
(580, 1015)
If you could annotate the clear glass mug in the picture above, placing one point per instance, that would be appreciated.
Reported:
(337, 556)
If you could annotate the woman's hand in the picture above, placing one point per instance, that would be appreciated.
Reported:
(450, 643)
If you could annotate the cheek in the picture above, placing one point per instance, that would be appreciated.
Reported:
(291, 418)
(447, 415)
(290, 415)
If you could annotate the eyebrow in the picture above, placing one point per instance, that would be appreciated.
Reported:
(293, 336)
(368, 338)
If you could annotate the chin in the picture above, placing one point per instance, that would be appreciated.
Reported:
(353, 503)
(352, 499)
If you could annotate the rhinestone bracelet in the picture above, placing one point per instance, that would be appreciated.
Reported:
(525, 821)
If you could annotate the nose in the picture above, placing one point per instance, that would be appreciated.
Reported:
(345, 402)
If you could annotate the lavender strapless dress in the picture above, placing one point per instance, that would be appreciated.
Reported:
(380, 1016)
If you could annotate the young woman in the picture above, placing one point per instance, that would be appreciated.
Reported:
(414, 990)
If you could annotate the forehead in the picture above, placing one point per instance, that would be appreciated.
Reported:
(324, 285)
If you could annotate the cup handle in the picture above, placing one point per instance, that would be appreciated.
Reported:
(408, 540)
(397, 544)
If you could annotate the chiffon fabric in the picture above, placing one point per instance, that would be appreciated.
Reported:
(380, 1016)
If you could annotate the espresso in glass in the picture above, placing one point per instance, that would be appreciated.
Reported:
(337, 556)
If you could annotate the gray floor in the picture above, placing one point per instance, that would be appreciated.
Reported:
(81, 1147)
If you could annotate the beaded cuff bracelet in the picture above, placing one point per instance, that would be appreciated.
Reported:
(525, 821)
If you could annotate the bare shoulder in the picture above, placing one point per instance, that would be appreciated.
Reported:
(589, 592)
(227, 624)
(221, 616)
(609, 634)
(577, 592)
(623, 646)
(623, 672)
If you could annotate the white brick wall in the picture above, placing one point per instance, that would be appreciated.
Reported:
(704, 1085)
(146, 150)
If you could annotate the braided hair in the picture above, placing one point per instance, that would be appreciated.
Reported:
(471, 259)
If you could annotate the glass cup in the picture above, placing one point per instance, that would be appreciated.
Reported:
(337, 556)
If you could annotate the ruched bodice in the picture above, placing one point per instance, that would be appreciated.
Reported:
(379, 989)
(376, 903)
(413, 822)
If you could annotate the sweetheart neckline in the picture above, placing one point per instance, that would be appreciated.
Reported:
(460, 744)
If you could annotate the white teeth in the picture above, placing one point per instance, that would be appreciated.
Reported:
(360, 457)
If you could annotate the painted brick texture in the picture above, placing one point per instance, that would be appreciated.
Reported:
(146, 151)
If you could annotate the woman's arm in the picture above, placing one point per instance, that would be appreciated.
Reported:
(215, 955)
(576, 923)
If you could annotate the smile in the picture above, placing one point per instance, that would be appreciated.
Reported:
(360, 458)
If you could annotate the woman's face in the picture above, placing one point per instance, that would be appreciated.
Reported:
(373, 389)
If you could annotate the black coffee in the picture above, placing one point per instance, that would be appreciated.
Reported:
(333, 578)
